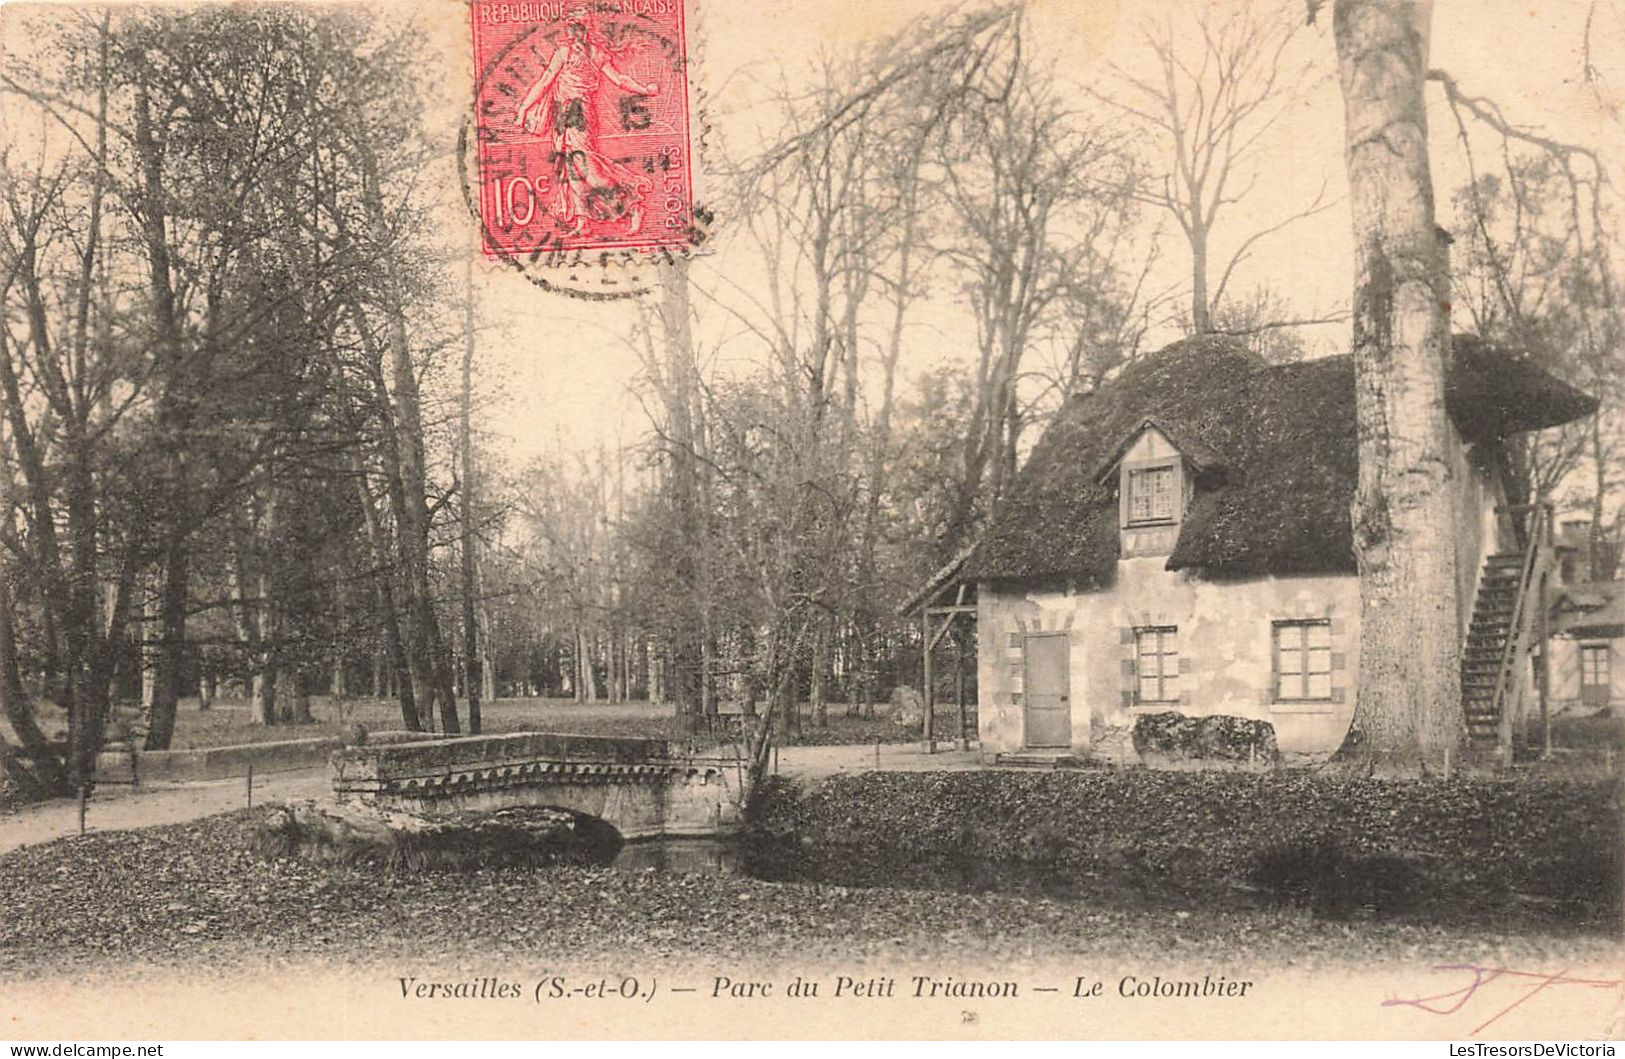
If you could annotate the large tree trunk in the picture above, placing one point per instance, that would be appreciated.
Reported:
(431, 661)
(340, 686)
(820, 650)
(472, 669)
(262, 708)
(1201, 319)
(685, 675)
(172, 419)
(171, 649)
(1408, 711)
(744, 656)
(42, 765)
(254, 613)
(471, 637)
(295, 697)
(394, 638)
(70, 582)
(149, 647)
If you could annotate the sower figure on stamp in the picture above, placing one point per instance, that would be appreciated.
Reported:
(590, 186)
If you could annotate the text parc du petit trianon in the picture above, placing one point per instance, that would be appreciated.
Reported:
(874, 987)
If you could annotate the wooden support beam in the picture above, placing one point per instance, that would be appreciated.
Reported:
(966, 608)
(959, 694)
(928, 698)
(1543, 687)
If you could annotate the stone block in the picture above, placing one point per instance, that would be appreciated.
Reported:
(1172, 739)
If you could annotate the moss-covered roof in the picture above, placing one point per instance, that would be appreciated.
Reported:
(1491, 393)
(1277, 468)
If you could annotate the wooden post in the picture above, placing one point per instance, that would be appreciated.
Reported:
(1543, 685)
(928, 696)
(250, 785)
(84, 796)
(959, 689)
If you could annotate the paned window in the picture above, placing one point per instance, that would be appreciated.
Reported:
(1303, 660)
(1594, 665)
(1156, 664)
(1151, 495)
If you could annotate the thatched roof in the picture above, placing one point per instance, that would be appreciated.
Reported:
(1491, 393)
(1593, 608)
(1276, 467)
(945, 575)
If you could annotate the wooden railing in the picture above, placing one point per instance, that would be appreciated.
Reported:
(1536, 538)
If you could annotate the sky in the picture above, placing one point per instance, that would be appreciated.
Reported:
(563, 373)
(560, 373)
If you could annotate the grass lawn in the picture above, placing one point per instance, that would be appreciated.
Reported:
(228, 723)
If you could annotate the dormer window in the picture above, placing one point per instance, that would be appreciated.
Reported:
(1153, 495)
(1154, 478)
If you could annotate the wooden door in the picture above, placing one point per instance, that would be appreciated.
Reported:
(1046, 691)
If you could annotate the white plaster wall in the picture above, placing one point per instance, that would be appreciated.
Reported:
(1483, 532)
(1224, 630)
(1565, 681)
(1152, 444)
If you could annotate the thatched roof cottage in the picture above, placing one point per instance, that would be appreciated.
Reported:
(1180, 541)
(1587, 626)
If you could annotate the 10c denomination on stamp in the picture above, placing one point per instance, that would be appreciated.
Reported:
(582, 127)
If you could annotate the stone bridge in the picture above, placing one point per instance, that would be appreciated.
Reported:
(638, 786)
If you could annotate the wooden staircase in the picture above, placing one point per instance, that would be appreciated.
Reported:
(1483, 658)
(1508, 620)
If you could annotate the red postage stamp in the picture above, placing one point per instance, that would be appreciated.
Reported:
(582, 126)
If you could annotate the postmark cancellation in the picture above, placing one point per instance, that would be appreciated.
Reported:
(583, 129)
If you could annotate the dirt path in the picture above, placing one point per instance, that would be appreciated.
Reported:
(121, 809)
(816, 762)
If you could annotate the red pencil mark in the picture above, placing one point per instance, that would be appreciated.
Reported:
(1448, 1003)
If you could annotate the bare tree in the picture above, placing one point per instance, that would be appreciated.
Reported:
(1041, 191)
(1408, 713)
(1217, 93)
(473, 670)
(1540, 275)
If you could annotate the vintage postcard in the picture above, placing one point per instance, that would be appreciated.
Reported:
(602, 519)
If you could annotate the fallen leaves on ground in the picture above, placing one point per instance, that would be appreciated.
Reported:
(194, 894)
